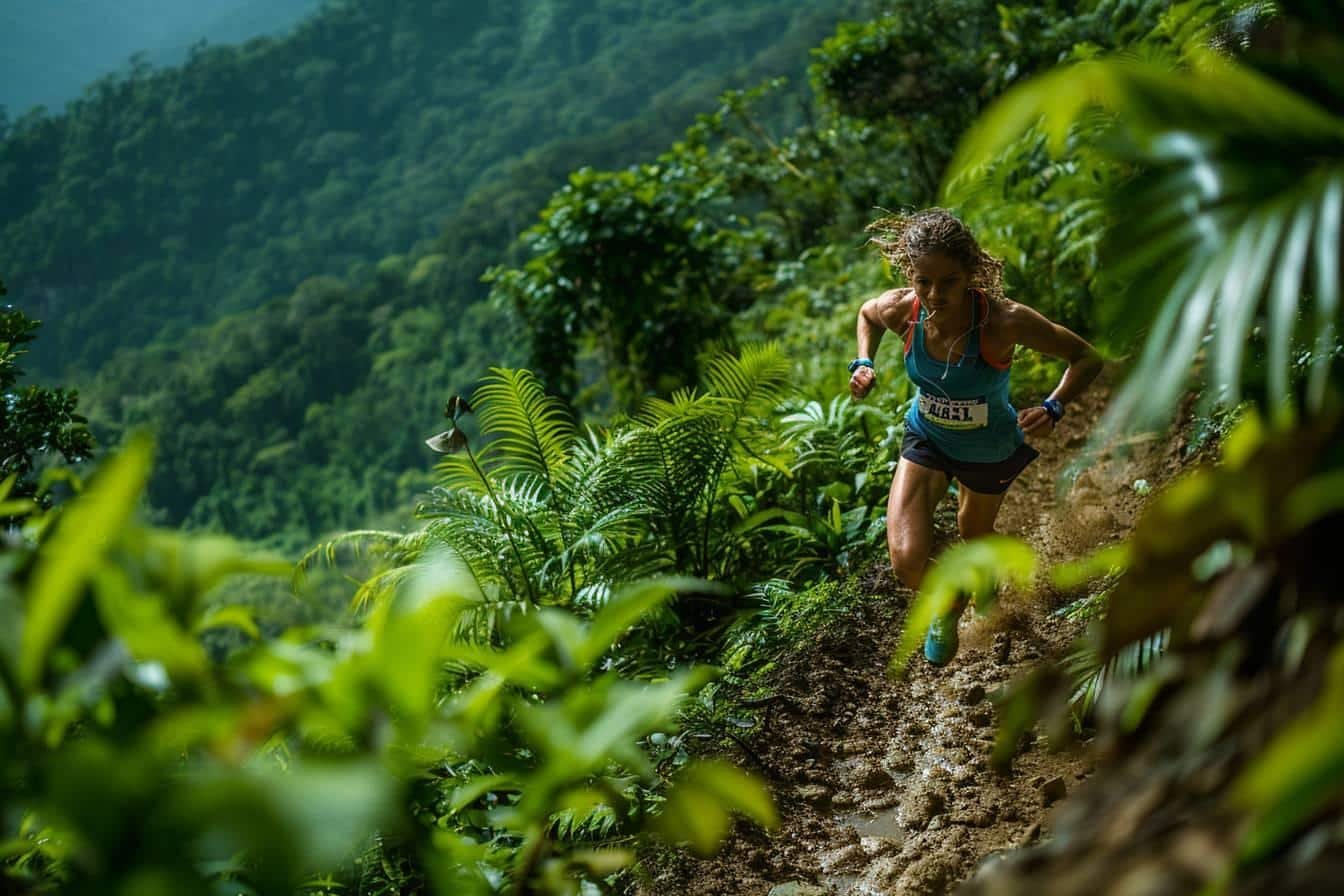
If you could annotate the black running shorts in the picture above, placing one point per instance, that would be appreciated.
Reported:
(986, 479)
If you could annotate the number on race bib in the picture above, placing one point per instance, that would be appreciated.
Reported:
(954, 413)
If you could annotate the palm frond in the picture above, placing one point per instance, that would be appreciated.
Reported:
(380, 586)
(361, 543)
(1091, 676)
(1233, 224)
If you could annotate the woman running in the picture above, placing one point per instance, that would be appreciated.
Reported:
(960, 333)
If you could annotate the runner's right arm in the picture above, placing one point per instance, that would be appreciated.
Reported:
(874, 318)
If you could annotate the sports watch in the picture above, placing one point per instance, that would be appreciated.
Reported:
(1054, 408)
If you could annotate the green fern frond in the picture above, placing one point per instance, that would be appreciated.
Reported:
(601, 474)
(595, 824)
(758, 374)
(457, 473)
(528, 430)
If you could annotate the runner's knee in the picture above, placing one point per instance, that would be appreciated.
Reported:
(908, 562)
(971, 525)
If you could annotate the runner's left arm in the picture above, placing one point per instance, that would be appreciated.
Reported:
(1036, 331)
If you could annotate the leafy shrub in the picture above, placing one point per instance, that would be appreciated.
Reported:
(490, 762)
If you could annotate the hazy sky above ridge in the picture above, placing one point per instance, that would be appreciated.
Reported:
(51, 49)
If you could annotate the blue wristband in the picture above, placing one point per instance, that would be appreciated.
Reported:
(861, 362)
(1054, 409)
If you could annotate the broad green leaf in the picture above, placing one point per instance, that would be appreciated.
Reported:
(474, 788)
(566, 632)
(1313, 500)
(185, 567)
(143, 623)
(75, 551)
(524, 664)
(699, 803)
(633, 711)
(602, 863)
(626, 608)
(237, 617)
(331, 808)
(736, 790)
(410, 635)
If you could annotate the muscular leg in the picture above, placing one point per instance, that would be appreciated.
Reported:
(915, 492)
(976, 512)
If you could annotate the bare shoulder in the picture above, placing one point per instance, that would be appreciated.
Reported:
(892, 308)
(1013, 323)
(1010, 320)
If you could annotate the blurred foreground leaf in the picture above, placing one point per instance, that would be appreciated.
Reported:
(76, 548)
(702, 800)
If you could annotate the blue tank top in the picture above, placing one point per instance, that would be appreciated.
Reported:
(962, 408)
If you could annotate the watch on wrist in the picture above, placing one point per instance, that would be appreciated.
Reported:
(1054, 408)
(861, 362)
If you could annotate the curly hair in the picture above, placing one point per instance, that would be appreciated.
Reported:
(903, 238)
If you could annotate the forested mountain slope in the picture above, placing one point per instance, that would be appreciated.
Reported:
(164, 198)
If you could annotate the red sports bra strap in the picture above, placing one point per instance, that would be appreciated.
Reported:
(910, 326)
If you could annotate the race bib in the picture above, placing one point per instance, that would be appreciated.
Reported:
(954, 413)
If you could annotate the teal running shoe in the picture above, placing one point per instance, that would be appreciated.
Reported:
(941, 643)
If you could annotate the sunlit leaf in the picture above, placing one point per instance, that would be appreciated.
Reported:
(237, 617)
(700, 802)
(473, 789)
(627, 607)
(974, 568)
(143, 623)
(1298, 773)
(76, 549)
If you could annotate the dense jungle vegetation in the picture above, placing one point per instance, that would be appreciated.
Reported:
(526, 681)
(334, 188)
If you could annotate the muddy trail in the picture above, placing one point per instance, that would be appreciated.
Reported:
(885, 786)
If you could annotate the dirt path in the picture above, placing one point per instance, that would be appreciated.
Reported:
(885, 786)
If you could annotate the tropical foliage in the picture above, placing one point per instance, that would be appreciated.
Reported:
(491, 762)
(498, 709)
(34, 420)
(699, 485)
